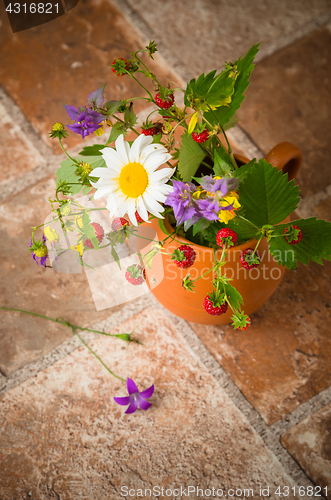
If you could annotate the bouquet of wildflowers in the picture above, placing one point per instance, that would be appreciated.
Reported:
(181, 168)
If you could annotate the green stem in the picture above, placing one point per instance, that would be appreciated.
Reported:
(75, 161)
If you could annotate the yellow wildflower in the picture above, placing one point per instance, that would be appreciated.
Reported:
(51, 234)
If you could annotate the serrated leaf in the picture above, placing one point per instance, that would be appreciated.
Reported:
(244, 229)
(266, 195)
(88, 230)
(243, 170)
(190, 157)
(315, 244)
(67, 171)
(234, 298)
(200, 225)
(244, 66)
(112, 106)
(129, 117)
(117, 129)
(92, 150)
(222, 163)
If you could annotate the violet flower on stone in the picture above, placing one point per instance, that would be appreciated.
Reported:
(135, 399)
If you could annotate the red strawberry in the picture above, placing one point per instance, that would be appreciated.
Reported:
(151, 128)
(165, 103)
(297, 239)
(99, 232)
(118, 223)
(212, 309)
(139, 219)
(135, 275)
(118, 70)
(202, 137)
(226, 238)
(248, 324)
(184, 256)
(247, 260)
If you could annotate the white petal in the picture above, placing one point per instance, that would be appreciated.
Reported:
(101, 172)
(104, 191)
(112, 159)
(138, 146)
(141, 209)
(152, 205)
(123, 149)
(151, 149)
(131, 208)
(155, 160)
(163, 173)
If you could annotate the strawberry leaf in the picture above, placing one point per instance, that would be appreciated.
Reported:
(315, 244)
(244, 66)
(67, 171)
(190, 157)
(266, 195)
(233, 297)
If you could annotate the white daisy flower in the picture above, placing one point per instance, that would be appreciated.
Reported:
(131, 181)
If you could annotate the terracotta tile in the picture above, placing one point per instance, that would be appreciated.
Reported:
(323, 209)
(17, 154)
(284, 358)
(64, 60)
(62, 434)
(203, 35)
(24, 285)
(289, 99)
(309, 443)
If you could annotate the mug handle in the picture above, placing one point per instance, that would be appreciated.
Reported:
(287, 157)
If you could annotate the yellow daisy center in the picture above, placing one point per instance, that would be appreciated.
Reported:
(133, 180)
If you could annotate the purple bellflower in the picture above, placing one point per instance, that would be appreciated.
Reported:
(135, 399)
(180, 199)
(87, 119)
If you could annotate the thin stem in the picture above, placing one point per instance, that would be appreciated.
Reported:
(99, 359)
(75, 161)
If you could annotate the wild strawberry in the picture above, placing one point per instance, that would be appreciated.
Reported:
(293, 238)
(184, 256)
(151, 128)
(139, 219)
(119, 67)
(226, 238)
(248, 324)
(247, 260)
(135, 275)
(99, 233)
(118, 223)
(165, 103)
(202, 137)
(211, 307)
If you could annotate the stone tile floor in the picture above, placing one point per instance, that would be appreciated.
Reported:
(230, 410)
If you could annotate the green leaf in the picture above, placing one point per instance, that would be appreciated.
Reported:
(88, 230)
(315, 244)
(162, 226)
(243, 170)
(200, 225)
(210, 90)
(112, 106)
(94, 150)
(67, 171)
(190, 157)
(244, 229)
(118, 129)
(115, 256)
(244, 66)
(234, 298)
(129, 117)
(222, 163)
(266, 195)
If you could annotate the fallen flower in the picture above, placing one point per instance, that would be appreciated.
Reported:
(135, 399)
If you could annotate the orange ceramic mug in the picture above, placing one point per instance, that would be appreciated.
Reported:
(255, 285)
